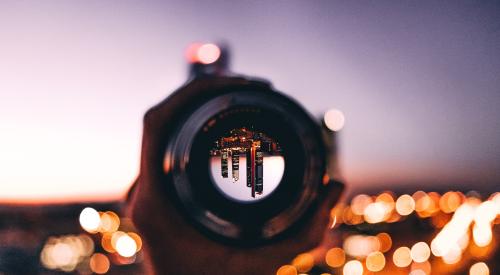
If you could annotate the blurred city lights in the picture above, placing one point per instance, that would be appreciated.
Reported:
(376, 212)
(360, 246)
(375, 261)
(126, 246)
(464, 224)
(75, 253)
(405, 205)
(303, 262)
(335, 257)
(449, 202)
(485, 213)
(90, 220)
(423, 266)
(420, 252)
(359, 203)
(479, 269)
(99, 263)
(109, 222)
(334, 119)
(402, 257)
(353, 267)
(453, 255)
(417, 272)
(482, 234)
(385, 241)
(287, 270)
(66, 252)
(137, 239)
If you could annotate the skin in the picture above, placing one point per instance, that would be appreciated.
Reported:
(172, 244)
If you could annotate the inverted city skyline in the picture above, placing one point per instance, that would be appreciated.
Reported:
(253, 145)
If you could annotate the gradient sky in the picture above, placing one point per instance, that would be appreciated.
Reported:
(419, 84)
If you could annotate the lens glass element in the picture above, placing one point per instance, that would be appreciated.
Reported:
(246, 165)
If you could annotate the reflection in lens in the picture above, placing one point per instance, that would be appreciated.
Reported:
(256, 164)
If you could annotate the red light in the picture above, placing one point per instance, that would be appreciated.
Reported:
(202, 53)
(192, 52)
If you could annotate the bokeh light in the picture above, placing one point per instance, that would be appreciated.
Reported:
(423, 266)
(360, 246)
(420, 252)
(453, 255)
(334, 119)
(385, 241)
(99, 263)
(402, 257)
(208, 53)
(375, 261)
(376, 212)
(479, 269)
(287, 270)
(353, 267)
(109, 222)
(90, 220)
(405, 205)
(359, 203)
(66, 252)
(449, 202)
(464, 231)
(303, 262)
(126, 246)
(335, 257)
(482, 234)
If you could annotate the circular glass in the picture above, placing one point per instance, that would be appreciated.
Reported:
(246, 165)
(209, 154)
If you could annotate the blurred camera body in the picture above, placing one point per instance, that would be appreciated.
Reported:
(284, 153)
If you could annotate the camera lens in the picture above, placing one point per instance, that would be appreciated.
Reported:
(245, 164)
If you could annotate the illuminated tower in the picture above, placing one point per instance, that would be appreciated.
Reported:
(223, 164)
(249, 167)
(259, 171)
(235, 159)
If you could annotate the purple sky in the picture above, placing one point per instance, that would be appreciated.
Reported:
(419, 84)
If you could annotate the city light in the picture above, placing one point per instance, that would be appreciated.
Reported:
(424, 267)
(385, 241)
(353, 268)
(99, 263)
(126, 246)
(287, 270)
(464, 226)
(359, 203)
(360, 246)
(420, 252)
(402, 257)
(335, 257)
(375, 261)
(303, 262)
(90, 220)
(376, 212)
(405, 205)
(66, 252)
(479, 269)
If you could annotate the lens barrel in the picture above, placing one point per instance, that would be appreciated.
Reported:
(224, 124)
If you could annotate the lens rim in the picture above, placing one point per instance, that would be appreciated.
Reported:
(178, 160)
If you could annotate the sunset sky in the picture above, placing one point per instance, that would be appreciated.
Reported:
(419, 84)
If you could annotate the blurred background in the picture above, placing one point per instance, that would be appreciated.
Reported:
(417, 82)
